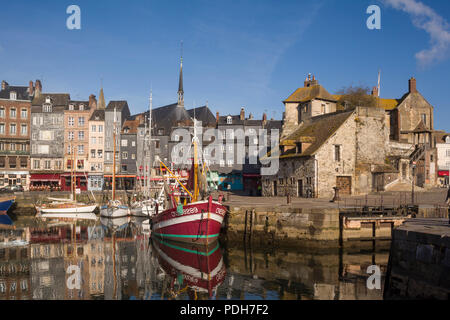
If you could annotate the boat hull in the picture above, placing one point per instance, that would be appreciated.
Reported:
(81, 209)
(70, 215)
(114, 212)
(199, 223)
(6, 204)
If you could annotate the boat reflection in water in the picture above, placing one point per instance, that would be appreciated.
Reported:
(197, 270)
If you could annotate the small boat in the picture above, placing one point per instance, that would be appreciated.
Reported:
(70, 215)
(6, 203)
(65, 207)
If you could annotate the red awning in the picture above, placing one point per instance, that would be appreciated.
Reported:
(45, 177)
(443, 173)
(119, 176)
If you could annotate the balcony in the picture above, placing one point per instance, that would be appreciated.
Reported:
(14, 153)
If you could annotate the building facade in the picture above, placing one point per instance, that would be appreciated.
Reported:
(15, 112)
(76, 143)
(128, 153)
(96, 150)
(443, 157)
(47, 140)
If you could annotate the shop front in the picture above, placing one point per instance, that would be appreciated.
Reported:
(123, 182)
(252, 184)
(95, 182)
(14, 178)
(45, 182)
(80, 181)
(443, 178)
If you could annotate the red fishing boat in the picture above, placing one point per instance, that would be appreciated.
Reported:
(197, 222)
(199, 270)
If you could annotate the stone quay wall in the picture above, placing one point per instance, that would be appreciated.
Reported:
(419, 262)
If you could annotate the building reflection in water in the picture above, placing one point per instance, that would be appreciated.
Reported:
(116, 259)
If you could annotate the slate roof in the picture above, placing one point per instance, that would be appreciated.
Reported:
(316, 132)
(132, 126)
(204, 115)
(306, 94)
(118, 105)
(22, 93)
(57, 99)
(98, 115)
(76, 105)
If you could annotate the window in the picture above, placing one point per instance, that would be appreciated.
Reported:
(124, 155)
(2, 112)
(124, 143)
(47, 164)
(100, 153)
(100, 128)
(80, 135)
(24, 113)
(69, 164)
(92, 153)
(222, 163)
(93, 128)
(13, 95)
(71, 135)
(80, 164)
(424, 118)
(47, 108)
(69, 149)
(12, 128)
(80, 121)
(133, 156)
(71, 107)
(80, 149)
(44, 149)
(229, 120)
(93, 140)
(2, 128)
(23, 129)
(71, 121)
(23, 147)
(133, 143)
(447, 139)
(81, 107)
(124, 167)
(36, 164)
(230, 163)
(337, 153)
(12, 147)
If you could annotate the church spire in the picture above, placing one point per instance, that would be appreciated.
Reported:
(101, 99)
(180, 84)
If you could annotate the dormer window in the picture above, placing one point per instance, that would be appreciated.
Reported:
(229, 120)
(126, 130)
(47, 108)
(48, 100)
(71, 106)
(13, 95)
(447, 139)
(81, 107)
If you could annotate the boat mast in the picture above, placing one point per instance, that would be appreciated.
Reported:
(194, 140)
(114, 159)
(150, 143)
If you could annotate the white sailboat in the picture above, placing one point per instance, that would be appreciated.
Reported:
(67, 206)
(114, 208)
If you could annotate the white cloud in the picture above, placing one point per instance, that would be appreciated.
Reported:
(424, 17)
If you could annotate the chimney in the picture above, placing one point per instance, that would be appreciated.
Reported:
(38, 88)
(92, 101)
(217, 117)
(412, 85)
(30, 88)
(264, 118)
(242, 115)
(4, 85)
(375, 92)
(305, 84)
(250, 117)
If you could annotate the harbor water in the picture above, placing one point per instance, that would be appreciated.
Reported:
(117, 259)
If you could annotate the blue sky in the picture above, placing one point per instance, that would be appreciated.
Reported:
(251, 53)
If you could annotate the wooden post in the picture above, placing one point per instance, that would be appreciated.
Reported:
(245, 224)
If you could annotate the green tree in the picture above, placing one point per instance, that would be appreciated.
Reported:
(352, 97)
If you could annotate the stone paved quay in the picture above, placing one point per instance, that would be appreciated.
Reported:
(394, 199)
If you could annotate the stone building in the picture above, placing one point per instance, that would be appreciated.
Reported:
(15, 105)
(235, 170)
(122, 112)
(332, 150)
(76, 143)
(128, 152)
(96, 149)
(47, 139)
